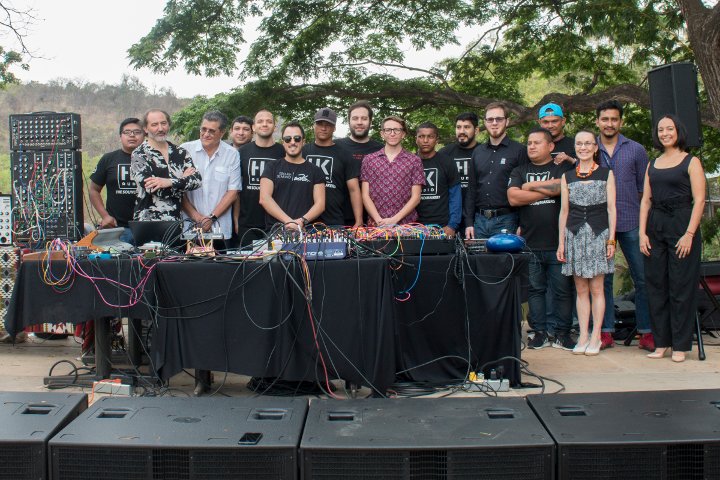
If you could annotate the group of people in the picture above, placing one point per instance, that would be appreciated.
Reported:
(573, 201)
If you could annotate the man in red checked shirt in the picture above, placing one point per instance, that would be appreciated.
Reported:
(392, 179)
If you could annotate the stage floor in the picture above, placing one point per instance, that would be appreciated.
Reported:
(23, 366)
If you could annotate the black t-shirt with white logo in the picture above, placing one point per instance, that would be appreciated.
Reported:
(253, 161)
(539, 220)
(440, 174)
(359, 150)
(565, 144)
(293, 185)
(113, 171)
(461, 157)
(338, 167)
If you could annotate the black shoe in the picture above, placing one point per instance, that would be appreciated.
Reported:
(563, 341)
(540, 340)
(203, 382)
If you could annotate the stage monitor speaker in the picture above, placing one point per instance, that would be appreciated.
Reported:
(674, 90)
(672, 435)
(27, 422)
(458, 438)
(163, 438)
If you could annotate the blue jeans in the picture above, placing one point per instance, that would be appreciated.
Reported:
(545, 274)
(487, 227)
(630, 244)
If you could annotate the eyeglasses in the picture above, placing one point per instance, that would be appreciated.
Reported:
(210, 131)
(584, 144)
(494, 119)
(289, 139)
(392, 131)
(131, 133)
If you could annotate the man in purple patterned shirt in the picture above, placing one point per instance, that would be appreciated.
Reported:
(392, 179)
(628, 160)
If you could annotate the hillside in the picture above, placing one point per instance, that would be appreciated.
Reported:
(102, 107)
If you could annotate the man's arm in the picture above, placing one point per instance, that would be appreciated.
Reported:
(549, 188)
(369, 204)
(267, 187)
(356, 201)
(455, 208)
(519, 197)
(407, 209)
(107, 220)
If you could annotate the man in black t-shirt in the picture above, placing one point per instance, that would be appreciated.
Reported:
(113, 170)
(292, 190)
(535, 188)
(254, 158)
(343, 201)
(359, 143)
(551, 118)
(440, 199)
(241, 133)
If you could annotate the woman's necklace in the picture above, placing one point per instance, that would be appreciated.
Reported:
(587, 174)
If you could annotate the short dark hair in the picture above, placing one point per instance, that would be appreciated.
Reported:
(361, 104)
(427, 125)
(681, 133)
(543, 131)
(216, 116)
(503, 106)
(609, 105)
(468, 117)
(242, 119)
(296, 125)
(128, 121)
(156, 110)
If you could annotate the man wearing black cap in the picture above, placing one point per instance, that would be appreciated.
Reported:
(343, 201)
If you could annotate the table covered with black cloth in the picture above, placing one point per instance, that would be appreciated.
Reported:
(252, 319)
(478, 319)
(34, 302)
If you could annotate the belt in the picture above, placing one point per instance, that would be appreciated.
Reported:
(490, 213)
(669, 206)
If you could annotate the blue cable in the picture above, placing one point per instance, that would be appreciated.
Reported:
(422, 245)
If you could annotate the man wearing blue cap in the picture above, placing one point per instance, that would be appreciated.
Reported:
(551, 118)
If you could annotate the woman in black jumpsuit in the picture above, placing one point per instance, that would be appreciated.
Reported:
(670, 213)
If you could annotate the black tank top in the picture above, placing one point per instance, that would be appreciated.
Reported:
(670, 184)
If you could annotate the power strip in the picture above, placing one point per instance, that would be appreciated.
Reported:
(113, 388)
(498, 385)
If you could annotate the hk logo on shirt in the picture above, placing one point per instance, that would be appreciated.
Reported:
(537, 177)
(256, 167)
(125, 181)
(325, 163)
(430, 188)
(462, 166)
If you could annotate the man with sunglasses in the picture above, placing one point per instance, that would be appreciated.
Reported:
(255, 156)
(343, 203)
(292, 190)
(113, 170)
(219, 164)
(487, 210)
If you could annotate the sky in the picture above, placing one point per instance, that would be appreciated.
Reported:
(88, 40)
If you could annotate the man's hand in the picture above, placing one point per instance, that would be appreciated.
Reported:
(469, 232)
(108, 222)
(189, 171)
(201, 221)
(449, 231)
(153, 184)
(563, 157)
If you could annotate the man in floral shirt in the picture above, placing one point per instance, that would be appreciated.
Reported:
(163, 172)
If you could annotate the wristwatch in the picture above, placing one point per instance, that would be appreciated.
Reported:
(213, 217)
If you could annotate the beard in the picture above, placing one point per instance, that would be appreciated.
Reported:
(360, 134)
(465, 143)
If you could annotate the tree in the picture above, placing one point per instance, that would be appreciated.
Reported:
(14, 22)
(332, 51)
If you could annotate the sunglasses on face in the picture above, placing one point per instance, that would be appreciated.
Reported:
(289, 139)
